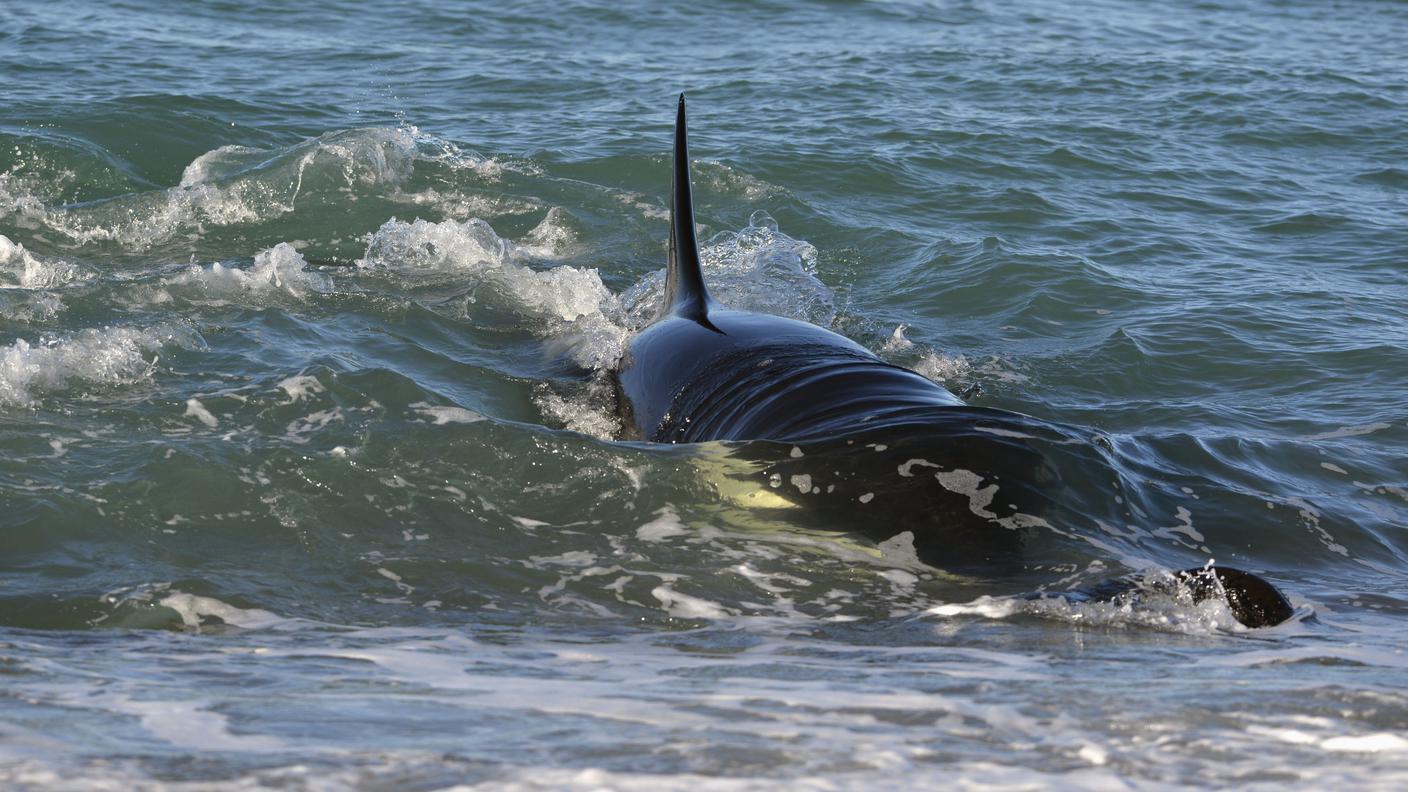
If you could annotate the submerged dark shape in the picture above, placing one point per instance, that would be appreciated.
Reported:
(865, 446)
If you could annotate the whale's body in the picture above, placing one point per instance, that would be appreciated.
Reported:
(702, 371)
(875, 448)
(748, 376)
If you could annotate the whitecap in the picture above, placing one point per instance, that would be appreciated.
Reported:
(19, 268)
(195, 609)
(301, 387)
(666, 525)
(280, 269)
(236, 184)
(943, 369)
(109, 356)
(685, 606)
(757, 268)
(568, 304)
(441, 414)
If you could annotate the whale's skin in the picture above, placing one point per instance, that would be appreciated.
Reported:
(748, 376)
(702, 371)
(858, 428)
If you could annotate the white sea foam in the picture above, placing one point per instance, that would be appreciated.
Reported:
(583, 410)
(301, 387)
(566, 303)
(19, 268)
(24, 306)
(1170, 608)
(195, 409)
(553, 237)
(111, 356)
(897, 342)
(952, 370)
(1382, 742)
(278, 269)
(220, 161)
(944, 369)
(757, 268)
(823, 714)
(666, 525)
(726, 178)
(237, 184)
(686, 606)
(468, 246)
(1350, 431)
(188, 724)
(459, 206)
(195, 610)
(441, 414)
(32, 177)
(301, 430)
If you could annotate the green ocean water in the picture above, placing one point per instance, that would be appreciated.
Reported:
(309, 474)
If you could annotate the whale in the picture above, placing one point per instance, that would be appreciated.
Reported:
(843, 440)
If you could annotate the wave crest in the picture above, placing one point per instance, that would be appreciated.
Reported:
(93, 357)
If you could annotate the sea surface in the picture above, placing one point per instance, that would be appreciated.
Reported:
(308, 477)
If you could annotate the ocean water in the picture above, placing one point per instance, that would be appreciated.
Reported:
(307, 469)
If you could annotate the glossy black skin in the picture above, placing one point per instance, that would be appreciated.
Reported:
(854, 421)
(748, 376)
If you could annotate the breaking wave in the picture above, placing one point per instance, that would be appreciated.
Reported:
(86, 359)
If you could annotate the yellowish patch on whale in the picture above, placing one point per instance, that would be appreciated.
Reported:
(748, 503)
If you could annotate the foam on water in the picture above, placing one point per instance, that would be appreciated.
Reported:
(764, 702)
(90, 358)
(21, 269)
(26, 307)
(757, 268)
(566, 302)
(472, 250)
(944, 370)
(441, 415)
(235, 184)
(957, 372)
(1172, 614)
(196, 610)
(279, 269)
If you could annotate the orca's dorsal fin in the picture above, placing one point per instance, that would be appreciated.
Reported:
(685, 294)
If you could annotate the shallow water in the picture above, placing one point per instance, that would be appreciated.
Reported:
(306, 449)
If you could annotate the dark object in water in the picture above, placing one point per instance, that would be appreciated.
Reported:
(1255, 602)
(704, 372)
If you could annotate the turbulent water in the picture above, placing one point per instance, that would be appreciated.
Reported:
(306, 442)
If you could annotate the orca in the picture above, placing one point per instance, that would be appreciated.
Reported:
(858, 444)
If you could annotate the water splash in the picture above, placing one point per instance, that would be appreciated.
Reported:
(89, 358)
